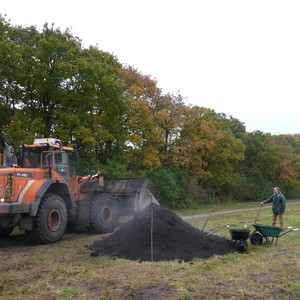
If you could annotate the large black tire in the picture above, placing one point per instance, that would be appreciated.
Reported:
(51, 220)
(104, 214)
(5, 232)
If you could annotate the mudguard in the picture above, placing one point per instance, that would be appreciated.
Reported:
(36, 189)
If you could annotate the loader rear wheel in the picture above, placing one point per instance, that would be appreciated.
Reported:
(51, 220)
(104, 214)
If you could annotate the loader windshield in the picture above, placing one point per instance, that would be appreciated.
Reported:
(31, 158)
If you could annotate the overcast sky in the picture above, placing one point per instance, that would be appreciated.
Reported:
(241, 58)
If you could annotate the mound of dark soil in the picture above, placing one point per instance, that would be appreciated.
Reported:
(172, 238)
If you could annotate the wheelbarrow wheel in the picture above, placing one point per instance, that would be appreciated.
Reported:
(256, 239)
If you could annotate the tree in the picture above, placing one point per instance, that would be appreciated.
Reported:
(208, 149)
(9, 61)
(56, 88)
(153, 119)
(92, 111)
(287, 166)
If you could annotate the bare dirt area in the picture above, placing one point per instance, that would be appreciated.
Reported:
(67, 270)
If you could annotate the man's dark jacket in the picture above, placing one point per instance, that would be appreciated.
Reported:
(279, 203)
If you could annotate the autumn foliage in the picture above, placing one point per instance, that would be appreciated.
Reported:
(123, 124)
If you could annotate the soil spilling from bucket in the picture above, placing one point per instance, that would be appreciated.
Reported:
(158, 234)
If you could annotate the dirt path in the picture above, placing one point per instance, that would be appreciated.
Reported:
(228, 212)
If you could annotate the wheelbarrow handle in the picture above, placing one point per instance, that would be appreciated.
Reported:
(208, 234)
(286, 228)
(290, 227)
(286, 232)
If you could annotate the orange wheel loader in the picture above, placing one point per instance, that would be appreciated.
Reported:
(41, 193)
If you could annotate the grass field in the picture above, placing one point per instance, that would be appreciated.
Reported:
(65, 270)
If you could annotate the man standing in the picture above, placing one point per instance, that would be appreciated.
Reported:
(278, 206)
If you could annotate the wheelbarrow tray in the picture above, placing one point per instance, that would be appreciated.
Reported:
(239, 237)
(267, 231)
(239, 234)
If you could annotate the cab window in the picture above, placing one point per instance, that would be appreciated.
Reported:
(56, 160)
(60, 163)
(31, 158)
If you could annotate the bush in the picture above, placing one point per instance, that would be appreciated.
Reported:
(166, 187)
(195, 195)
(250, 188)
(114, 168)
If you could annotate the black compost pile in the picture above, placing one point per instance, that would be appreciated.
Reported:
(172, 239)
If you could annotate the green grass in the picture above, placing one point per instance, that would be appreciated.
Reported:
(220, 207)
(66, 270)
(69, 293)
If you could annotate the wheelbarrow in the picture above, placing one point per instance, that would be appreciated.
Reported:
(269, 233)
(239, 237)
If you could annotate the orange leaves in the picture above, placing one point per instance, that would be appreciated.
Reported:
(287, 167)
(285, 172)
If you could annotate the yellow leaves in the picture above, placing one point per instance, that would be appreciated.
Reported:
(147, 158)
(150, 159)
(138, 85)
(209, 148)
(153, 120)
(85, 137)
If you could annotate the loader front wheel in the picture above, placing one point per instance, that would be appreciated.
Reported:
(51, 220)
(104, 214)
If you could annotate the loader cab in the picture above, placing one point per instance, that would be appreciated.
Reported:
(47, 154)
(30, 158)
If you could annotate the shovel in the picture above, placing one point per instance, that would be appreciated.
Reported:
(258, 214)
(201, 233)
(216, 230)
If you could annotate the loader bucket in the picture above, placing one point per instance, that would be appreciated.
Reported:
(133, 194)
